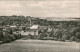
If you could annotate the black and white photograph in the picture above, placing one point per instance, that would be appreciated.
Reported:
(39, 25)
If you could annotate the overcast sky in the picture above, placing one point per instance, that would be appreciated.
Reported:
(41, 8)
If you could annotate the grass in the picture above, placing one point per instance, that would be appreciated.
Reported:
(39, 46)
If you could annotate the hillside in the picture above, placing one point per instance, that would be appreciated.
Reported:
(25, 20)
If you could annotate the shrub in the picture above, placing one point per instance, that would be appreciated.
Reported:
(1, 35)
(58, 35)
(73, 38)
(64, 37)
(12, 37)
(60, 38)
(41, 35)
(16, 36)
(6, 40)
(78, 40)
(8, 36)
(19, 36)
(1, 39)
(77, 35)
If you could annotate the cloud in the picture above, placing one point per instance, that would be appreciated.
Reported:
(41, 8)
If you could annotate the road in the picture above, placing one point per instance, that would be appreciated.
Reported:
(39, 46)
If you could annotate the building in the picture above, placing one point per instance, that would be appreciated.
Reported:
(33, 31)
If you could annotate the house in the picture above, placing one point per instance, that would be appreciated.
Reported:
(33, 31)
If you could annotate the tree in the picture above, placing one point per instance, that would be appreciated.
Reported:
(77, 35)
(73, 38)
(58, 34)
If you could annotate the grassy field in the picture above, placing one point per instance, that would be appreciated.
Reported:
(39, 46)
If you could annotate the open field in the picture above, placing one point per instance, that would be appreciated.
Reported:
(39, 46)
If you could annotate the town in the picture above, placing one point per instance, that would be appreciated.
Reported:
(21, 27)
(33, 34)
(39, 25)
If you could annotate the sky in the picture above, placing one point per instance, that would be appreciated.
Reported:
(41, 8)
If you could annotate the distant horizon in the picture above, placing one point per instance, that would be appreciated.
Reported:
(41, 17)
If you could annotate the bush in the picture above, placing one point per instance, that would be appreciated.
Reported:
(16, 36)
(41, 35)
(60, 39)
(77, 35)
(77, 40)
(58, 34)
(1, 39)
(12, 37)
(6, 40)
(73, 38)
(1, 35)
(19, 36)
(64, 37)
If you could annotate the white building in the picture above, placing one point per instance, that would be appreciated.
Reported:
(33, 30)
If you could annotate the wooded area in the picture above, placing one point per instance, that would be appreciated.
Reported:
(61, 30)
